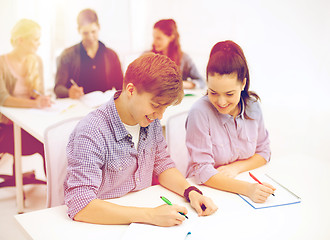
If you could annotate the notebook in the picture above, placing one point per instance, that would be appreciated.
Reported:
(97, 98)
(283, 196)
(152, 232)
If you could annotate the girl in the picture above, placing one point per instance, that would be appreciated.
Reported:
(21, 84)
(225, 129)
(166, 42)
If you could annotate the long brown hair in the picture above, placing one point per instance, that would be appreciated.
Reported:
(227, 57)
(169, 28)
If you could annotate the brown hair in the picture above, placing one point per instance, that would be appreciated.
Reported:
(227, 57)
(87, 16)
(169, 28)
(156, 74)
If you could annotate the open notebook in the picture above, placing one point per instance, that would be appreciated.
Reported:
(96, 98)
(151, 232)
(283, 196)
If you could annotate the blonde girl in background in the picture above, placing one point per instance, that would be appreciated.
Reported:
(21, 83)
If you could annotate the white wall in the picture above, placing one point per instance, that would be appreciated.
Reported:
(286, 42)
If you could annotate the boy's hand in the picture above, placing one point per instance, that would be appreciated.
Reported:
(167, 216)
(204, 206)
(76, 92)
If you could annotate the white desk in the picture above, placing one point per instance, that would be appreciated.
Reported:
(36, 124)
(235, 219)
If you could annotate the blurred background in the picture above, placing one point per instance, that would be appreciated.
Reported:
(286, 42)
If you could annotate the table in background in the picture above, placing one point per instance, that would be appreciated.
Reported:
(35, 123)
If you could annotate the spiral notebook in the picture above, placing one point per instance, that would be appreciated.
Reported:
(283, 196)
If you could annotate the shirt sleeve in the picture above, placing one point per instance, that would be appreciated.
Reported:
(199, 145)
(85, 153)
(62, 75)
(263, 143)
(191, 72)
(115, 76)
(162, 157)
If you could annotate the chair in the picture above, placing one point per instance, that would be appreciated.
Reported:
(56, 139)
(176, 140)
(8, 180)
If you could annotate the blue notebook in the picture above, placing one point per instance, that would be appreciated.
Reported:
(283, 196)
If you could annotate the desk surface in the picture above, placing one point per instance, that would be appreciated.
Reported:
(235, 219)
(36, 122)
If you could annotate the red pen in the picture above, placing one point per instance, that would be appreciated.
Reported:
(256, 179)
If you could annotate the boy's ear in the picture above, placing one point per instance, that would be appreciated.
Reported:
(130, 88)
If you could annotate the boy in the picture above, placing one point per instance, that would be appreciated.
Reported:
(117, 149)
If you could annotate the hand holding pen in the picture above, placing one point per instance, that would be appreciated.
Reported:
(75, 92)
(42, 101)
(167, 215)
(260, 192)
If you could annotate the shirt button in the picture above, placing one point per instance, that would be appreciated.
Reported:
(138, 179)
(120, 168)
(144, 139)
(132, 145)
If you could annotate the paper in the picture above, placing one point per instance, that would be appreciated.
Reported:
(282, 196)
(96, 98)
(56, 107)
(152, 232)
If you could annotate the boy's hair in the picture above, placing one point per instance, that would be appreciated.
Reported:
(87, 16)
(156, 74)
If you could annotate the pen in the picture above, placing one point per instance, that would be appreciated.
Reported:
(169, 203)
(73, 82)
(36, 92)
(256, 179)
(39, 94)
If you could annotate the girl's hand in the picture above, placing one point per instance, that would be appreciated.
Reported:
(197, 201)
(43, 101)
(260, 192)
(167, 216)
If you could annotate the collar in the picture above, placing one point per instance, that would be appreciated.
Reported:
(119, 129)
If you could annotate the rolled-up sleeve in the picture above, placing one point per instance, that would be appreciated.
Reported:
(162, 157)
(199, 145)
(263, 143)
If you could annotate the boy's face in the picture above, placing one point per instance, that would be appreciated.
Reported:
(143, 107)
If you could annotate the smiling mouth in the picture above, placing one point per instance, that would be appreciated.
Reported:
(223, 107)
(149, 119)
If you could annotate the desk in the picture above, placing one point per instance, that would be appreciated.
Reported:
(235, 219)
(36, 124)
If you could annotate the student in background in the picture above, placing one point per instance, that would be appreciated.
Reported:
(166, 41)
(226, 134)
(21, 84)
(119, 147)
(88, 66)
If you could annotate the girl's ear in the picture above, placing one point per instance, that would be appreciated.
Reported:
(243, 84)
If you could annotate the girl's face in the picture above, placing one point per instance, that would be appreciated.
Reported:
(161, 40)
(31, 43)
(224, 92)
